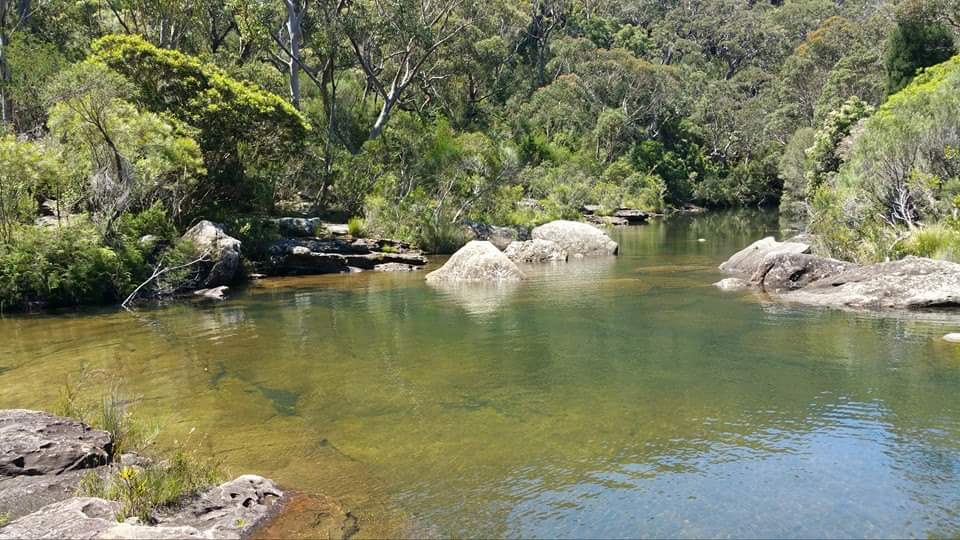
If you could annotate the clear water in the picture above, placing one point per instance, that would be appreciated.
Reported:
(621, 397)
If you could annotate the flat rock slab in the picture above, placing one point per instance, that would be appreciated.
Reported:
(782, 272)
(746, 261)
(479, 261)
(231, 510)
(910, 283)
(35, 443)
(21, 495)
(577, 239)
(79, 518)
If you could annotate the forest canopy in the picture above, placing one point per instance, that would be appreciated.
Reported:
(414, 116)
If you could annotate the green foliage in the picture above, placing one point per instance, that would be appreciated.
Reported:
(59, 267)
(913, 45)
(240, 127)
(25, 169)
(793, 168)
(826, 154)
(356, 227)
(441, 236)
(938, 241)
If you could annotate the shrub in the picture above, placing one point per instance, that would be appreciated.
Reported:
(60, 267)
(356, 227)
(441, 236)
(934, 241)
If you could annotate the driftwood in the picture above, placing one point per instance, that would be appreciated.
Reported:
(159, 271)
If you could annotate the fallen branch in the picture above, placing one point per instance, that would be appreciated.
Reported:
(159, 271)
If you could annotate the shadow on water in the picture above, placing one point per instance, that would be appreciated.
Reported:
(619, 397)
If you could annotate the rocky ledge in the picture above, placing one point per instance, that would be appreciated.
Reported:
(302, 256)
(42, 460)
(790, 273)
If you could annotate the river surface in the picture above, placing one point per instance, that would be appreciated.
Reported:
(622, 397)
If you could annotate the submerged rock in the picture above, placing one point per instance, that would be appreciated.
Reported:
(577, 239)
(781, 272)
(952, 338)
(35, 443)
(535, 251)
(746, 261)
(223, 250)
(910, 283)
(732, 284)
(478, 261)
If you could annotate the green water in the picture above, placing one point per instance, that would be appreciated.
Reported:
(606, 398)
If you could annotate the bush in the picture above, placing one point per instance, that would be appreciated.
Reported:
(356, 227)
(935, 242)
(60, 267)
(441, 236)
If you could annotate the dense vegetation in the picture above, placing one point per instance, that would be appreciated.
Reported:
(128, 120)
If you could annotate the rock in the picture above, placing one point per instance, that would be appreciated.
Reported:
(612, 221)
(149, 242)
(395, 267)
(746, 261)
(304, 256)
(591, 209)
(535, 251)
(337, 229)
(478, 261)
(781, 272)
(33, 443)
(531, 204)
(78, 518)
(691, 208)
(732, 284)
(952, 338)
(498, 236)
(295, 226)
(216, 293)
(21, 495)
(577, 238)
(229, 510)
(224, 251)
(632, 215)
(910, 283)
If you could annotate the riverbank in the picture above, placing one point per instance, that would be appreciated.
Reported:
(52, 467)
(789, 272)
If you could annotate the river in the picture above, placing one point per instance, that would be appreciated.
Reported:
(617, 397)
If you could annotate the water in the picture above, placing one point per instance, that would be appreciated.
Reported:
(606, 398)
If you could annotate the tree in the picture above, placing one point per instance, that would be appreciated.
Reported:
(399, 47)
(915, 44)
(24, 168)
(241, 128)
(135, 157)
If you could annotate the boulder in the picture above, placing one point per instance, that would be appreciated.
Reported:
(216, 293)
(77, 518)
(732, 284)
(478, 261)
(910, 283)
(34, 443)
(577, 239)
(746, 261)
(223, 250)
(295, 226)
(498, 236)
(781, 272)
(535, 251)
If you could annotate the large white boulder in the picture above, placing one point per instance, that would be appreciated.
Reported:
(478, 261)
(577, 239)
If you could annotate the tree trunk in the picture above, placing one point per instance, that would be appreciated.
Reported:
(295, 32)
(6, 102)
(384, 115)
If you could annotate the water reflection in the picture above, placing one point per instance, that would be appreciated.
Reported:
(609, 397)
